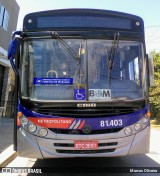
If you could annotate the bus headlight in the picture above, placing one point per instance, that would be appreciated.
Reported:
(137, 126)
(32, 128)
(24, 121)
(128, 131)
(145, 120)
(43, 132)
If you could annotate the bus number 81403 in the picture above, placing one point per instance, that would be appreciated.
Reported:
(107, 123)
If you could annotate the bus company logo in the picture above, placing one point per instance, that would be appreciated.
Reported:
(99, 94)
(55, 121)
(62, 123)
(83, 105)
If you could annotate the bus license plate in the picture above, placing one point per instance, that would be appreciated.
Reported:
(85, 145)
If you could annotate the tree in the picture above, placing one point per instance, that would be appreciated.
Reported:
(155, 91)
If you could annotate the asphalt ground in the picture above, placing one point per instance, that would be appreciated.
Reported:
(6, 133)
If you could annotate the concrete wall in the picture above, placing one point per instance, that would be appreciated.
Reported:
(13, 9)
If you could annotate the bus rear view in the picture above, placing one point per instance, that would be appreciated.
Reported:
(82, 84)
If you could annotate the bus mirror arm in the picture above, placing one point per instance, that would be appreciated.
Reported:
(151, 70)
(12, 50)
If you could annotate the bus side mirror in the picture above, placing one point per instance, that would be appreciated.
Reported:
(12, 50)
(151, 70)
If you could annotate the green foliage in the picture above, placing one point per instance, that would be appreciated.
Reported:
(155, 91)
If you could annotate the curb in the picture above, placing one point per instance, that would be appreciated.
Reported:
(7, 156)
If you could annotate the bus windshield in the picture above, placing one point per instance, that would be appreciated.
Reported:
(50, 73)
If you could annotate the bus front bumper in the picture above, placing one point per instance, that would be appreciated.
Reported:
(63, 145)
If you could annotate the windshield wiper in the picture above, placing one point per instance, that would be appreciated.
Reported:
(113, 50)
(76, 56)
(73, 53)
(112, 55)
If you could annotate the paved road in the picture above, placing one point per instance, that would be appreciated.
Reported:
(98, 164)
(6, 136)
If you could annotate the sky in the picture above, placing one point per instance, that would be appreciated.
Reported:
(149, 10)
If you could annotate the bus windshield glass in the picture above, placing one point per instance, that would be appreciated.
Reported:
(50, 73)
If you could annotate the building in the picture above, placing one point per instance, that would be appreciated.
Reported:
(9, 10)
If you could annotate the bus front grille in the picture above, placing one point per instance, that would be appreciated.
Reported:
(80, 132)
(72, 145)
(68, 148)
(76, 112)
(85, 151)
